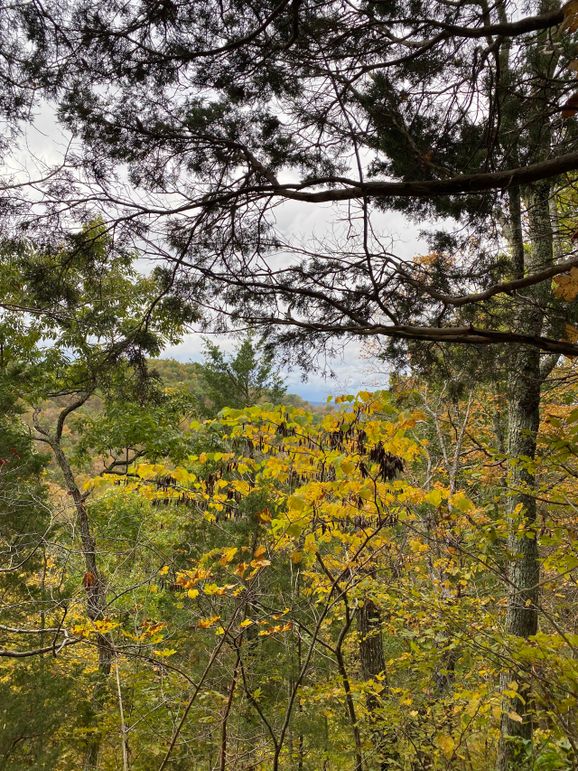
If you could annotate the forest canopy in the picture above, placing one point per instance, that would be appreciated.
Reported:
(198, 568)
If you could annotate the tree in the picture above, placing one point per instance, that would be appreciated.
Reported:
(80, 307)
(307, 537)
(456, 111)
(242, 380)
(27, 525)
(407, 104)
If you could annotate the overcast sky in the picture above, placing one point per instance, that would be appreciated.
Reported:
(354, 368)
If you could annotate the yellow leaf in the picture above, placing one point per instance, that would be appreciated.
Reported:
(348, 467)
(104, 626)
(191, 577)
(418, 546)
(205, 623)
(296, 503)
(164, 570)
(258, 564)
(245, 623)
(461, 502)
(165, 652)
(566, 284)
(434, 497)
(310, 546)
(228, 555)
(214, 589)
(446, 743)
(515, 717)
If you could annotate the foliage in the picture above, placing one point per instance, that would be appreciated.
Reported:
(390, 584)
(247, 377)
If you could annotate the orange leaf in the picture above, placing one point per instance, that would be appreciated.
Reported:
(570, 11)
(205, 623)
(566, 285)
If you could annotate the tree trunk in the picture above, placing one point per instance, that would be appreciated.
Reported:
(95, 590)
(524, 388)
(373, 664)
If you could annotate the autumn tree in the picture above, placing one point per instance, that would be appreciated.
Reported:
(27, 525)
(308, 535)
(461, 113)
(80, 307)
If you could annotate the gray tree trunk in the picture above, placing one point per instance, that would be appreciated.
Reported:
(372, 664)
(524, 389)
(95, 590)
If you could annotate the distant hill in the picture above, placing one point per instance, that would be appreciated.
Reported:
(188, 376)
(176, 374)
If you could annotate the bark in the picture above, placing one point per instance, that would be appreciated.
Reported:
(123, 726)
(524, 389)
(95, 590)
(371, 643)
(373, 664)
(348, 694)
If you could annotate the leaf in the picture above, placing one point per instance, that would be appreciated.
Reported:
(264, 516)
(296, 503)
(103, 626)
(515, 717)
(434, 497)
(570, 12)
(447, 744)
(309, 545)
(461, 502)
(215, 590)
(348, 467)
(257, 565)
(566, 285)
(190, 578)
(205, 623)
(228, 555)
